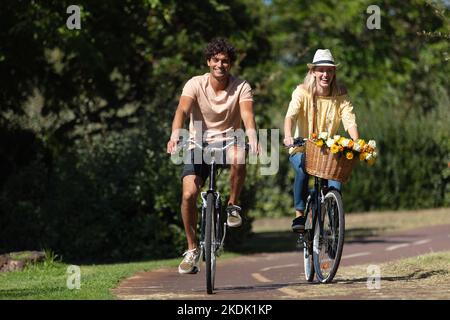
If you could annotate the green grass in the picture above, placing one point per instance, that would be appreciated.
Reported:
(48, 280)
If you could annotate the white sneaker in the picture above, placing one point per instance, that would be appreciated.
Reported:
(190, 262)
(234, 218)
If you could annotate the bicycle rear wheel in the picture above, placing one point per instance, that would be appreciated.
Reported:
(308, 264)
(210, 254)
(329, 240)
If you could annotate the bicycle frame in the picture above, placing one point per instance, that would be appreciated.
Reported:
(212, 189)
(317, 198)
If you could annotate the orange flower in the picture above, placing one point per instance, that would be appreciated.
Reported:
(362, 156)
(313, 135)
(371, 161)
(350, 144)
(341, 148)
(349, 155)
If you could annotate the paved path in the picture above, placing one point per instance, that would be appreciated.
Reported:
(270, 275)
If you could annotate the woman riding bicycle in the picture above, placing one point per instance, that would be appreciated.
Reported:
(319, 104)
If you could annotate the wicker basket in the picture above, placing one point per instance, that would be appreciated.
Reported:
(322, 163)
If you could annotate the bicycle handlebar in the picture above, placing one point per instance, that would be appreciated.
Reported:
(206, 145)
(298, 142)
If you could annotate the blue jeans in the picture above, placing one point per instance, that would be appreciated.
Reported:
(301, 181)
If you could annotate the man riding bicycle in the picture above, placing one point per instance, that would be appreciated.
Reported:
(219, 102)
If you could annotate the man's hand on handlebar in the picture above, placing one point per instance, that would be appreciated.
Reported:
(172, 145)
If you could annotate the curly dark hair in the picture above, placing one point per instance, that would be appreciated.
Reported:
(220, 45)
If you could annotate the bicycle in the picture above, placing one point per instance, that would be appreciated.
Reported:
(212, 232)
(323, 238)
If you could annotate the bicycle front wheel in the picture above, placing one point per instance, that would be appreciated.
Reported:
(308, 262)
(329, 237)
(210, 254)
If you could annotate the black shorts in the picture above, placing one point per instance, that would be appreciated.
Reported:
(200, 169)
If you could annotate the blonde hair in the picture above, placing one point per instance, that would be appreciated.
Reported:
(310, 84)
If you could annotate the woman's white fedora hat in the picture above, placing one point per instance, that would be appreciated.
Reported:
(323, 57)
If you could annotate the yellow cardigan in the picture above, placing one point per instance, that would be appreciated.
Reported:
(331, 110)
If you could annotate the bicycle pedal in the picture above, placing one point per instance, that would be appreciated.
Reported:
(300, 242)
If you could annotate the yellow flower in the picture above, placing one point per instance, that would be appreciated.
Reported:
(334, 149)
(319, 143)
(361, 142)
(349, 155)
(341, 140)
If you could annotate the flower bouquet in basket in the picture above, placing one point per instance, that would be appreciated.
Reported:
(334, 157)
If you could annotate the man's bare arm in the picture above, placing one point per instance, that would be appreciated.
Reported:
(248, 117)
(182, 112)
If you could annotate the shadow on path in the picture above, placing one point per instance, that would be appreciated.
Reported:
(286, 241)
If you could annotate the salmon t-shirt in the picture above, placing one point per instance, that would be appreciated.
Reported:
(219, 115)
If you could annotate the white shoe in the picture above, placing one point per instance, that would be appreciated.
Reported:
(234, 218)
(190, 262)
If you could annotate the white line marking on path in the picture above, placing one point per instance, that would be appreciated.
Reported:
(260, 277)
(417, 243)
(397, 246)
(354, 255)
(292, 265)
